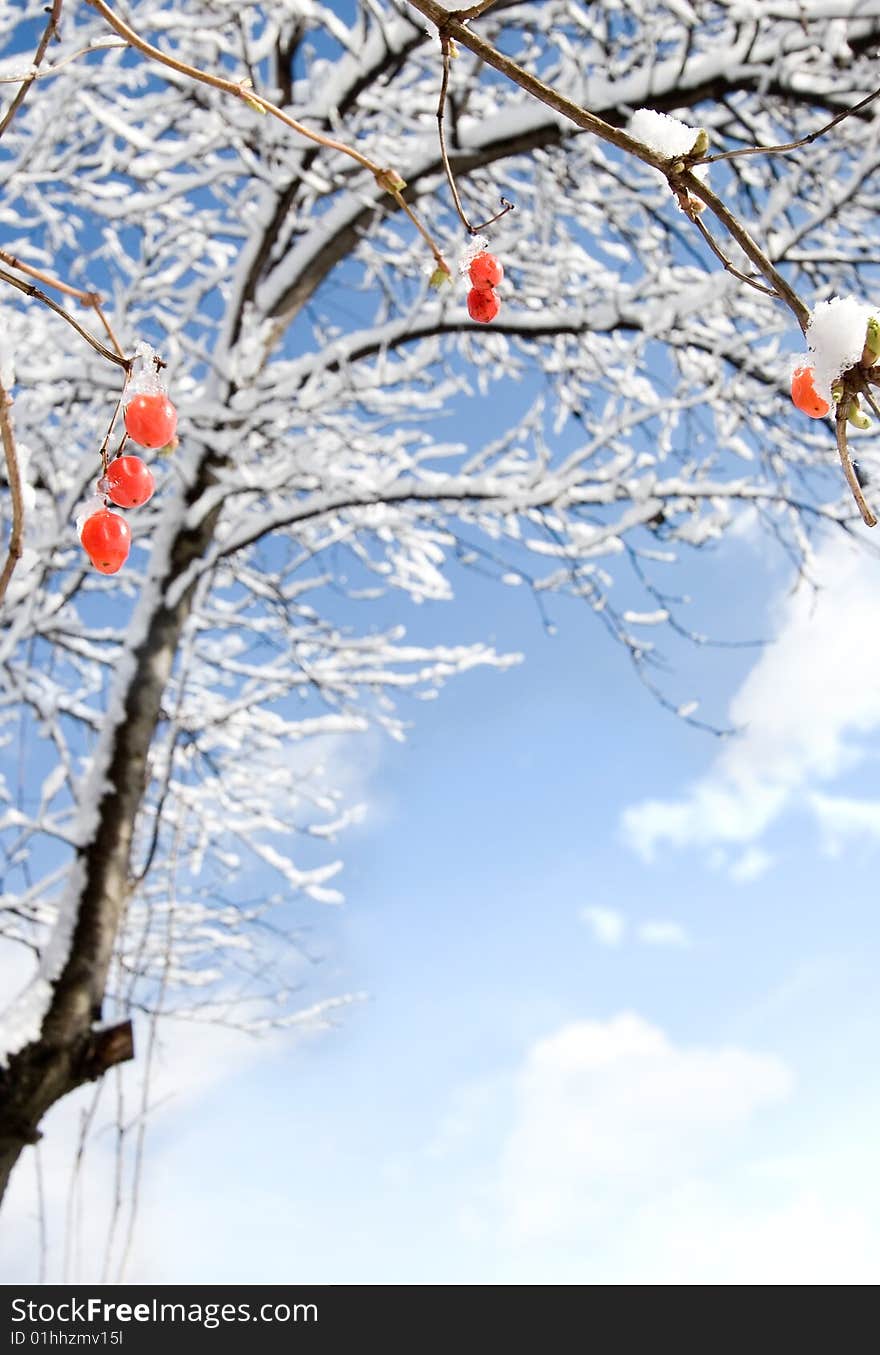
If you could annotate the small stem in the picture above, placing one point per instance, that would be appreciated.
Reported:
(422, 230)
(97, 308)
(45, 278)
(444, 156)
(91, 299)
(34, 292)
(506, 206)
(103, 45)
(462, 16)
(791, 145)
(109, 434)
(13, 472)
(846, 461)
(866, 391)
(719, 254)
(783, 289)
(441, 111)
(49, 32)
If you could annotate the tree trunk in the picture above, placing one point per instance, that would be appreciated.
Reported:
(69, 1050)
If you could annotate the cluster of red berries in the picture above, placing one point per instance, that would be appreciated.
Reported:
(485, 274)
(151, 421)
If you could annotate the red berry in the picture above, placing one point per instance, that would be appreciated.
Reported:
(106, 539)
(485, 271)
(129, 482)
(151, 420)
(483, 305)
(805, 395)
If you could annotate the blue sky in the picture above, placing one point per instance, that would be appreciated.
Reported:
(620, 1012)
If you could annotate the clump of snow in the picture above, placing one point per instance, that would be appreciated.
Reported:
(89, 508)
(666, 135)
(476, 246)
(836, 335)
(145, 378)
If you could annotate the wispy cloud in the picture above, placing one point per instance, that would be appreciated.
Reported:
(663, 934)
(751, 865)
(607, 1110)
(842, 819)
(611, 928)
(804, 712)
(607, 925)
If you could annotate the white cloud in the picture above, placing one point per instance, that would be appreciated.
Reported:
(663, 933)
(607, 925)
(751, 865)
(606, 1111)
(609, 928)
(842, 818)
(629, 1158)
(804, 712)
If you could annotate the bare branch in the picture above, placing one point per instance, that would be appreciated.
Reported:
(846, 461)
(36, 295)
(787, 146)
(49, 32)
(13, 473)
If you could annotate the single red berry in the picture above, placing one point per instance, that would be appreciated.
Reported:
(805, 395)
(106, 539)
(151, 419)
(129, 482)
(485, 271)
(483, 305)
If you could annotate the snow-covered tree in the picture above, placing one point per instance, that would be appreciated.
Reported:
(628, 403)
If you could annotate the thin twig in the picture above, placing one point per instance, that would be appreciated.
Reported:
(786, 146)
(846, 461)
(463, 15)
(13, 474)
(506, 206)
(100, 45)
(36, 295)
(441, 110)
(866, 391)
(685, 178)
(118, 1175)
(152, 1047)
(41, 1216)
(731, 268)
(90, 299)
(49, 32)
(386, 178)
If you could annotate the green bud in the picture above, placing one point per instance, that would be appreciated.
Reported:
(855, 415)
(390, 180)
(439, 277)
(872, 338)
(701, 145)
(244, 85)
